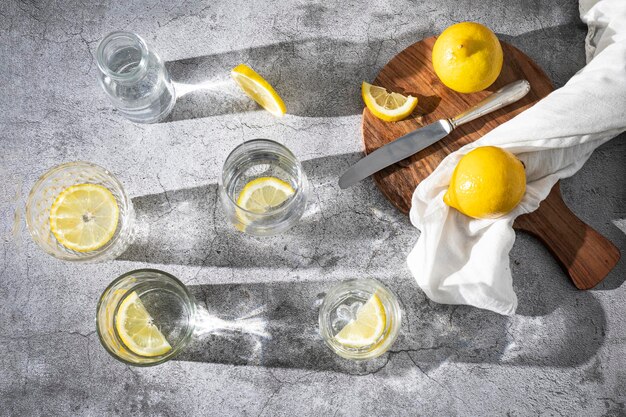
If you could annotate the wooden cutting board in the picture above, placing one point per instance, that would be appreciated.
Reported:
(586, 255)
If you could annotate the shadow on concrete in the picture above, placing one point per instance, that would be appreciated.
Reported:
(320, 77)
(333, 217)
(559, 50)
(273, 324)
(276, 325)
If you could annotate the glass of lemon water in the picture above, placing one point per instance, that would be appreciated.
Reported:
(79, 211)
(359, 319)
(145, 317)
(263, 188)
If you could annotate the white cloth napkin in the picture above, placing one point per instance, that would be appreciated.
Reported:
(458, 260)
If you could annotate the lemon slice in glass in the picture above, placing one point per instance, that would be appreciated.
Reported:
(137, 330)
(367, 327)
(387, 106)
(258, 89)
(263, 194)
(84, 217)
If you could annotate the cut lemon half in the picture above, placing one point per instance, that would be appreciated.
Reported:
(263, 194)
(137, 330)
(387, 106)
(367, 327)
(258, 89)
(84, 217)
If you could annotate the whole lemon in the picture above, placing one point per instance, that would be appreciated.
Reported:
(488, 182)
(467, 57)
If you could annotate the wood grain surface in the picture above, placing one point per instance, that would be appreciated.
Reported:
(586, 255)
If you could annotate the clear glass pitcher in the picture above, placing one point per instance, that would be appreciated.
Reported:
(134, 78)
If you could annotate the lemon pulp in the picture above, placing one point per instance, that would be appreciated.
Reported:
(137, 330)
(367, 327)
(258, 89)
(263, 194)
(84, 217)
(387, 106)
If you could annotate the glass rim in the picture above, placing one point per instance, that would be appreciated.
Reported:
(298, 190)
(394, 329)
(43, 177)
(184, 341)
(132, 74)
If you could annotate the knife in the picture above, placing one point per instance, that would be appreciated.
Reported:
(419, 139)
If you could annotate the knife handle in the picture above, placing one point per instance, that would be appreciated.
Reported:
(508, 94)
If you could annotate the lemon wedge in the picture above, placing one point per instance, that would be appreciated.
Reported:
(263, 194)
(136, 329)
(84, 217)
(258, 89)
(387, 106)
(367, 327)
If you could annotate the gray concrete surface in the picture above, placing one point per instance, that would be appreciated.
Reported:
(562, 354)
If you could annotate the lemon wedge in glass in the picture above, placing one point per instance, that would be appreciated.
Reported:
(390, 107)
(84, 217)
(137, 330)
(263, 194)
(367, 327)
(258, 89)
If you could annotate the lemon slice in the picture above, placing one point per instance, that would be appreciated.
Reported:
(258, 89)
(263, 194)
(84, 217)
(137, 330)
(368, 326)
(389, 107)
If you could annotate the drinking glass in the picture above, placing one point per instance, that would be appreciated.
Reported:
(257, 159)
(134, 78)
(170, 306)
(47, 189)
(340, 307)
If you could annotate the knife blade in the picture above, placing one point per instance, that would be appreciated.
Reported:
(419, 139)
(395, 151)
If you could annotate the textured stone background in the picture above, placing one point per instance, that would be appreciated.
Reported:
(562, 354)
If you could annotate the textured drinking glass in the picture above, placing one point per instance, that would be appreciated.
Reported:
(256, 159)
(47, 189)
(340, 307)
(171, 308)
(134, 78)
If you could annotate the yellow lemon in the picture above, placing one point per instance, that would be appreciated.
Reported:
(137, 329)
(387, 106)
(367, 327)
(264, 194)
(84, 217)
(467, 57)
(258, 89)
(488, 182)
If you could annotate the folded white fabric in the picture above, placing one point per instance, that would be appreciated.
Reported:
(458, 260)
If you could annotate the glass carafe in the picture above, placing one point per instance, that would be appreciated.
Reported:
(134, 78)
